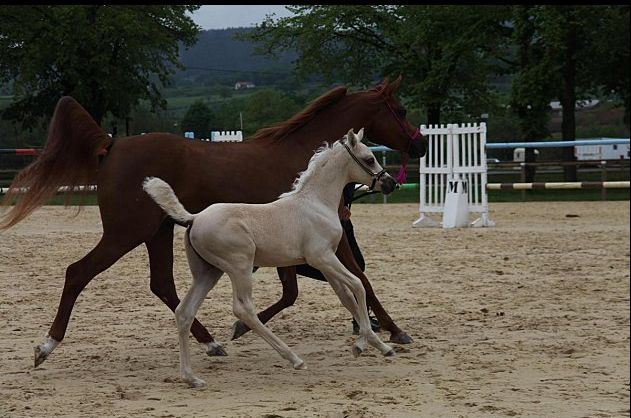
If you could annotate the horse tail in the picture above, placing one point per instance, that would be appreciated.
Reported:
(69, 158)
(163, 194)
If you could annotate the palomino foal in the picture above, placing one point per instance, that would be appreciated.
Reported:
(302, 226)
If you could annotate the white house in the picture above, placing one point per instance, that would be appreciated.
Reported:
(244, 85)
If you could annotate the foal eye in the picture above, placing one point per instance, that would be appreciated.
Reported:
(370, 161)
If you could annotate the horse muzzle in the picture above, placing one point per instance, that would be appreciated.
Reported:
(418, 147)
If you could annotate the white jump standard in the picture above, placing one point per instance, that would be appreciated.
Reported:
(302, 226)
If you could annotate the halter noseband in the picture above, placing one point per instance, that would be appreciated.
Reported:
(375, 176)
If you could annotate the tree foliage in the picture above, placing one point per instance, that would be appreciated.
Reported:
(557, 47)
(443, 52)
(107, 57)
(198, 119)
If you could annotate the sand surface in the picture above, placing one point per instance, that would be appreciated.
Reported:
(529, 318)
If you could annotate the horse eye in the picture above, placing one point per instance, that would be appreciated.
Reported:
(370, 161)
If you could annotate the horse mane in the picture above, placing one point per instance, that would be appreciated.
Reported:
(282, 129)
(321, 154)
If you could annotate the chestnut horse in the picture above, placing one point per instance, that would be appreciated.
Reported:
(77, 152)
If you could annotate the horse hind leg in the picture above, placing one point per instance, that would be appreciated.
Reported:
(109, 249)
(160, 250)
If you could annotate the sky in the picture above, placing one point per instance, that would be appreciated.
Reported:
(224, 16)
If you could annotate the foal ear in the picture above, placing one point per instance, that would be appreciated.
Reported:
(360, 135)
(351, 138)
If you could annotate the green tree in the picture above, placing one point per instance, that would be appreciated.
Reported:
(107, 57)
(266, 107)
(443, 52)
(258, 110)
(610, 62)
(557, 47)
(532, 87)
(198, 119)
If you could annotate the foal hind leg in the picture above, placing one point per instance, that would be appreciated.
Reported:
(109, 249)
(244, 309)
(338, 276)
(205, 276)
(160, 250)
(287, 277)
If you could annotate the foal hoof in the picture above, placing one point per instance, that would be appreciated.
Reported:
(40, 355)
(215, 349)
(356, 351)
(389, 353)
(300, 366)
(238, 329)
(195, 382)
(400, 338)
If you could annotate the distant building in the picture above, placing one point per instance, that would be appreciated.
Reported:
(580, 104)
(244, 85)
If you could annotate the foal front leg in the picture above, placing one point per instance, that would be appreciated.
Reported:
(244, 309)
(287, 277)
(345, 255)
(353, 296)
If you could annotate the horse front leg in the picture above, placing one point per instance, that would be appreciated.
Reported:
(345, 255)
(160, 249)
(287, 276)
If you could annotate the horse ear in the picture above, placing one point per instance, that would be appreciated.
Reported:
(392, 87)
(382, 85)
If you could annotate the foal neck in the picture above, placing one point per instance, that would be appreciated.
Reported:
(325, 177)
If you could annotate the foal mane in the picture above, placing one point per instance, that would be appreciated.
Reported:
(282, 129)
(321, 154)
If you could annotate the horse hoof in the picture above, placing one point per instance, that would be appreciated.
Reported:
(196, 383)
(40, 355)
(238, 329)
(215, 349)
(390, 353)
(401, 338)
(300, 366)
(357, 351)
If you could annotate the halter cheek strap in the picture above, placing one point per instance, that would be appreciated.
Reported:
(375, 176)
(416, 135)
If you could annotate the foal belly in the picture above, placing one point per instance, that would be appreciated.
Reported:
(267, 258)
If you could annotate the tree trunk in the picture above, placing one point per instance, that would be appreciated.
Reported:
(433, 115)
(568, 99)
(530, 157)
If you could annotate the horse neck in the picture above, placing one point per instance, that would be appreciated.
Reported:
(327, 181)
(329, 125)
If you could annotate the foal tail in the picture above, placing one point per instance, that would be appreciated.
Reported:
(69, 158)
(163, 194)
